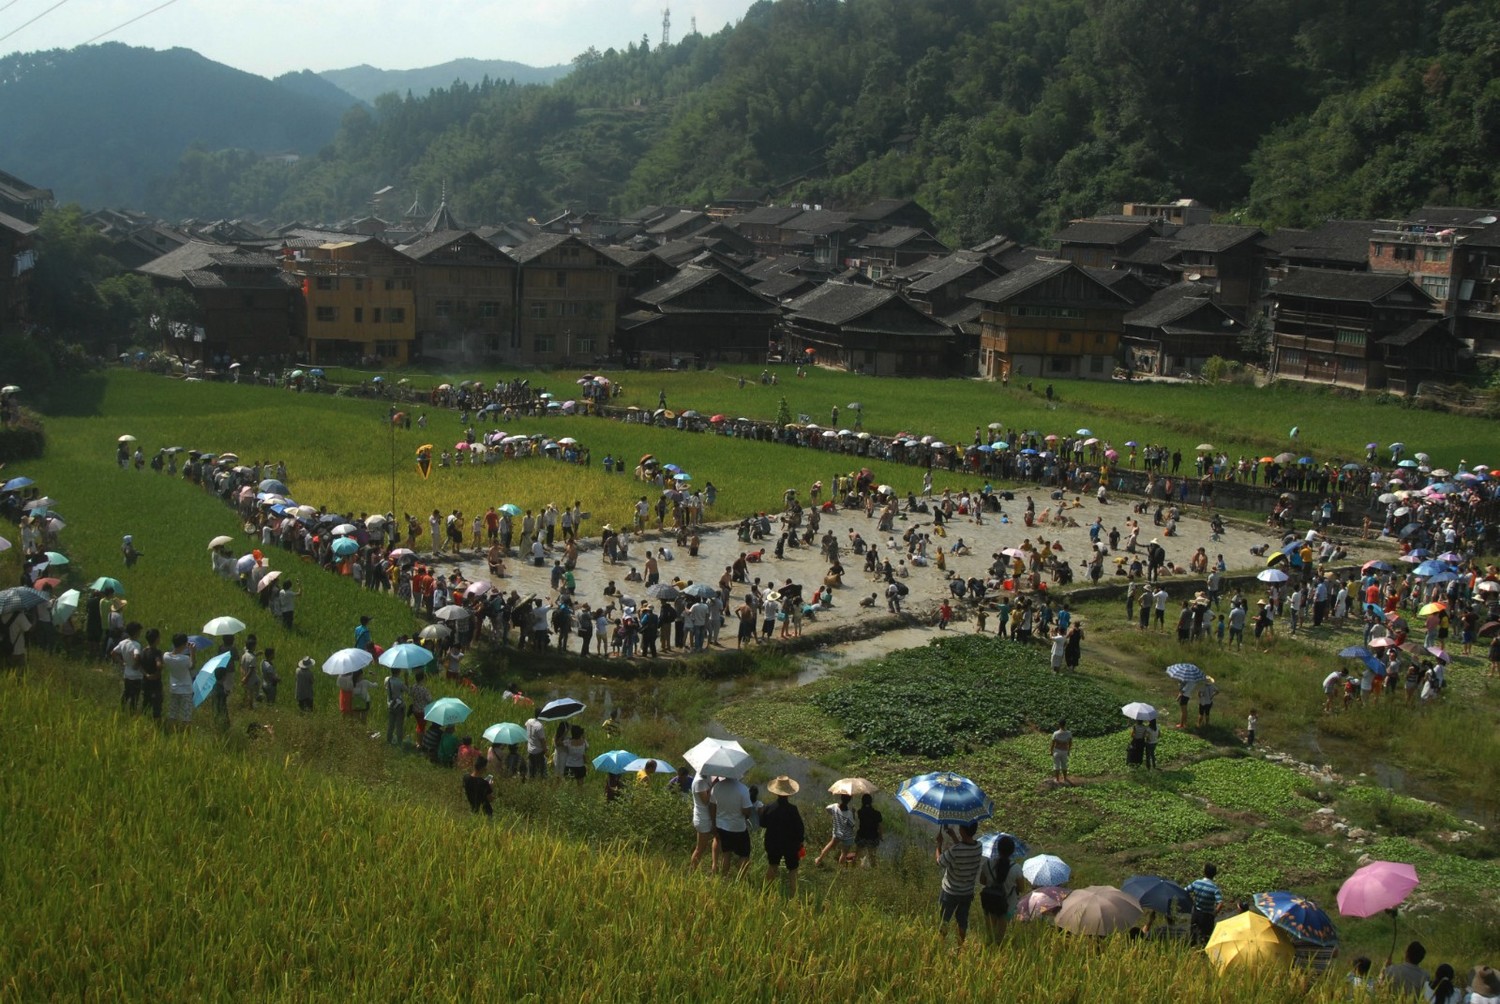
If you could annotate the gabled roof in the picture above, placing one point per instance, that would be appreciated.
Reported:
(765, 215)
(16, 226)
(1174, 304)
(882, 209)
(997, 244)
(817, 221)
(895, 237)
(843, 305)
(952, 268)
(463, 246)
(1103, 234)
(784, 284)
(1417, 330)
(1357, 287)
(750, 194)
(695, 277)
(1214, 237)
(1156, 251)
(541, 244)
(683, 219)
(1449, 216)
(1346, 242)
(203, 265)
(1018, 284)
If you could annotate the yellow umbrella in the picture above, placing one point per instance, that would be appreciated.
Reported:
(1432, 608)
(1248, 939)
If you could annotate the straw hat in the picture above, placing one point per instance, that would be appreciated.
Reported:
(783, 785)
(306, 663)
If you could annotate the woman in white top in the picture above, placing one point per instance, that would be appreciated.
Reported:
(999, 887)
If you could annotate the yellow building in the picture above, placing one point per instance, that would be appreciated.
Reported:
(359, 299)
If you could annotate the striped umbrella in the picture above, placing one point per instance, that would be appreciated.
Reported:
(1186, 672)
(945, 798)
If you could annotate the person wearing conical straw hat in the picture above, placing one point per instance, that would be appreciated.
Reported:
(784, 832)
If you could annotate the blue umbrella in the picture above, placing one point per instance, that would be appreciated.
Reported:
(405, 656)
(1442, 577)
(989, 840)
(16, 484)
(639, 763)
(505, 733)
(1409, 529)
(945, 798)
(1430, 568)
(1443, 488)
(202, 642)
(446, 711)
(273, 486)
(203, 683)
(1157, 893)
(20, 598)
(1184, 672)
(1303, 919)
(345, 546)
(1365, 656)
(317, 373)
(613, 762)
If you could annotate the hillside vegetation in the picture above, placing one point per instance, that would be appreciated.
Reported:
(1000, 115)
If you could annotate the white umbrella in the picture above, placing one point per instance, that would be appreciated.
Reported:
(719, 758)
(64, 606)
(126, 439)
(245, 563)
(375, 522)
(344, 529)
(1272, 575)
(433, 631)
(346, 661)
(221, 626)
(220, 541)
(1139, 712)
(452, 613)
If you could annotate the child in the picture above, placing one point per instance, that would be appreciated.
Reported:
(1250, 724)
(268, 677)
(1220, 630)
(945, 615)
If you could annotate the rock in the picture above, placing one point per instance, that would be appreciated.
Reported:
(1360, 834)
(1363, 860)
(1340, 827)
(1325, 811)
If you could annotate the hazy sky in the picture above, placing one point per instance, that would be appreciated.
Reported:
(270, 37)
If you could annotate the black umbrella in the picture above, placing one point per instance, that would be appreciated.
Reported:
(565, 707)
(663, 591)
(1159, 894)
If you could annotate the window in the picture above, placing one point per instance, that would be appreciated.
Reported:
(583, 344)
(359, 285)
(390, 284)
(1437, 254)
(396, 315)
(442, 308)
(1347, 336)
(359, 315)
(542, 343)
(1060, 364)
(326, 282)
(568, 308)
(489, 309)
(1436, 286)
(1096, 364)
(1403, 253)
(406, 284)
(559, 279)
(1065, 338)
(328, 314)
(388, 349)
(374, 315)
(537, 310)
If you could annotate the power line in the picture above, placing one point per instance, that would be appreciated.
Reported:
(127, 24)
(9, 6)
(23, 24)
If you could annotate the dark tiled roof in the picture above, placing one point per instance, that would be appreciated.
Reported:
(1343, 241)
(1419, 329)
(783, 284)
(880, 209)
(538, 246)
(1015, 284)
(1107, 234)
(1156, 251)
(1172, 304)
(16, 226)
(997, 244)
(817, 221)
(952, 268)
(636, 319)
(694, 276)
(681, 218)
(1214, 237)
(428, 244)
(842, 304)
(772, 215)
(199, 256)
(1448, 216)
(1333, 284)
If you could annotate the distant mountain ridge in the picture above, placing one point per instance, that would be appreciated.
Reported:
(367, 82)
(98, 123)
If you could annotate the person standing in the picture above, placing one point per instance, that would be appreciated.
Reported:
(960, 861)
(478, 789)
(868, 831)
(536, 748)
(703, 823)
(1207, 902)
(843, 832)
(395, 708)
(362, 637)
(151, 667)
(785, 834)
(304, 683)
(250, 672)
(999, 888)
(1407, 976)
(179, 666)
(127, 652)
(729, 806)
(1061, 747)
(1152, 737)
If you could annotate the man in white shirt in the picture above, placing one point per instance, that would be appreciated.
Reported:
(128, 654)
(730, 807)
(179, 666)
(536, 748)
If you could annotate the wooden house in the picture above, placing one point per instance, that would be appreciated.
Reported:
(465, 296)
(565, 301)
(701, 314)
(359, 300)
(17, 259)
(1101, 242)
(1050, 319)
(869, 330)
(1178, 330)
(249, 309)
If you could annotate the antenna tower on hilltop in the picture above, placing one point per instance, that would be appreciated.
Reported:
(666, 26)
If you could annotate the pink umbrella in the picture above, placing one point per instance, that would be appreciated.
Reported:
(1112, 454)
(1041, 902)
(1379, 885)
(461, 446)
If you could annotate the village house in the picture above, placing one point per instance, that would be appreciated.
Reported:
(700, 314)
(17, 259)
(564, 302)
(359, 300)
(868, 330)
(1176, 331)
(23, 200)
(1100, 242)
(1425, 247)
(1476, 308)
(247, 308)
(1051, 319)
(464, 289)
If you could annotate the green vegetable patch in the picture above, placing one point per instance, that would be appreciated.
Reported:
(1263, 861)
(1134, 817)
(1100, 754)
(1440, 873)
(963, 692)
(1244, 784)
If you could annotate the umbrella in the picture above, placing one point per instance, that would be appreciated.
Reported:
(401, 554)
(346, 661)
(1301, 918)
(1248, 939)
(852, 786)
(719, 758)
(434, 632)
(989, 840)
(208, 676)
(1273, 575)
(104, 582)
(1432, 608)
(345, 546)
(1139, 712)
(126, 439)
(1379, 885)
(64, 606)
(56, 558)
(1488, 586)
(1185, 672)
(446, 711)
(266, 580)
(563, 707)
(1488, 629)
(944, 797)
(245, 562)
(344, 529)
(405, 656)
(613, 762)
(1040, 902)
(1285, 458)
(662, 591)
(15, 484)
(701, 591)
(5, 545)
(221, 626)
(18, 598)
(452, 613)
(511, 509)
(1097, 910)
(10, 388)
(639, 764)
(274, 486)
(1205, 446)
(1157, 893)
(478, 589)
(1377, 566)
(505, 733)
(1046, 869)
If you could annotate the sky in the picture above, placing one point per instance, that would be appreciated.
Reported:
(270, 37)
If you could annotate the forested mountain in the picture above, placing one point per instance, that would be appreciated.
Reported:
(368, 82)
(96, 123)
(999, 115)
